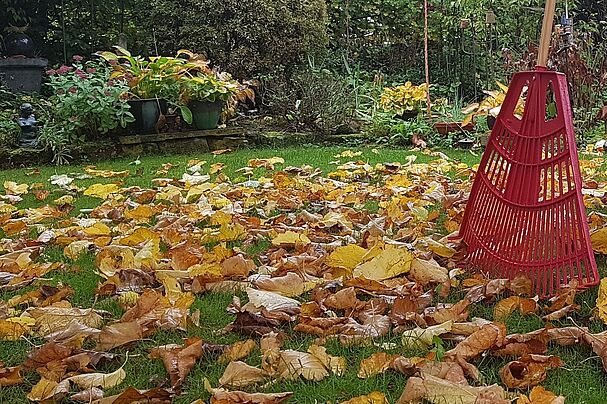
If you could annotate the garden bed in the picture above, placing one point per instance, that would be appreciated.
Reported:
(133, 145)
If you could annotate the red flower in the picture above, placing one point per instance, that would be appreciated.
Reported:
(113, 62)
(81, 74)
(64, 69)
(60, 92)
(72, 90)
(91, 70)
(51, 72)
(107, 93)
(110, 83)
(77, 58)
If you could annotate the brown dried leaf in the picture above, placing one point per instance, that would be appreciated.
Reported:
(344, 299)
(119, 334)
(559, 314)
(598, 342)
(335, 364)
(133, 396)
(427, 272)
(236, 267)
(490, 336)
(439, 391)
(178, 360)
(528, 371)
(293, 364)
(51, 319)
(88, 395)
(289, 285)
(221, 396)
(239, 374)
(505, 307)
(10, 376)
(540, 395)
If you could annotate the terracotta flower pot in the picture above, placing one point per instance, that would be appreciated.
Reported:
(445, 128)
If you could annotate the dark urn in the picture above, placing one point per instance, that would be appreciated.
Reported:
(19, 44)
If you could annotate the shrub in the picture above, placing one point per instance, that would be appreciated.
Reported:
(246, 38)
(314, 99)
(9, 130)
(87, 104)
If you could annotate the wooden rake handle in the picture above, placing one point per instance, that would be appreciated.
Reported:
(542, 57)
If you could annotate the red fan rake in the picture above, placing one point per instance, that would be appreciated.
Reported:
(526, 212)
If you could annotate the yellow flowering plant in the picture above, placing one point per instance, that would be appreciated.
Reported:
(404, 99)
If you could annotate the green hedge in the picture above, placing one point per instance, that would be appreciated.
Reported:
(247, 38)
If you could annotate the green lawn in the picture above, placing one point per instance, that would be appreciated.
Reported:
(582, 380)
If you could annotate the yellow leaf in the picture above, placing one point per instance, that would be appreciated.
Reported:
(102, 380)
(76, 248)
(212, 269)
(293, 364)
(148, 256)
(11, 331)
(102, 191)
(215, 168)
(98, 229)
(51, 319)
(372, 398)
(290, 238)
(105, 173)
(376, 364)
(12, 188)
(49, 391)
(238, 350)
(391, 262)
(65, 200)
(140, 212)
(6, 208)
(172, 288)
(502, 87)
(346, 256)
(599, 241)
(140, 235)
(601, 301)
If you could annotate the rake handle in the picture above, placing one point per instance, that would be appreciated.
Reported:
(542, 57)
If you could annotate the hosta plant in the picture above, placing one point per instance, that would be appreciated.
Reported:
(156, 77)
(405, 99)
(492, 104)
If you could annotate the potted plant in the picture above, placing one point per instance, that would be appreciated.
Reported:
(491, 106)
(204, 97)
(404, 101)
(154, 83)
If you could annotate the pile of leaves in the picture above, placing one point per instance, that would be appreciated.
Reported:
(349, 259)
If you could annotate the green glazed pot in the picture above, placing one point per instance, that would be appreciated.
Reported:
(205, 115)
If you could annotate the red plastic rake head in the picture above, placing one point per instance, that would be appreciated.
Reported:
(526, 212)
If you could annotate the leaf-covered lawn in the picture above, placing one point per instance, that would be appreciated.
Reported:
(305, 274)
